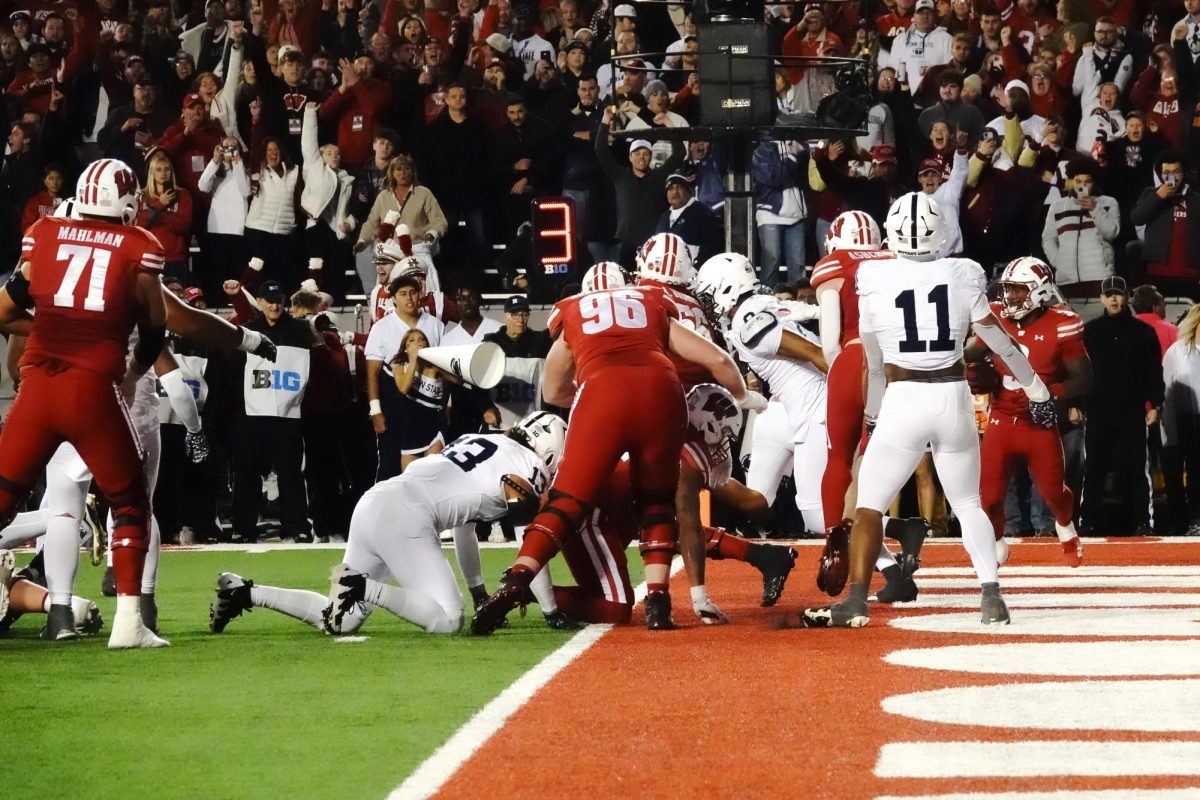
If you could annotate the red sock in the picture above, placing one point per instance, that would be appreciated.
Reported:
(127, 569)
(651, 588)
(729, 546)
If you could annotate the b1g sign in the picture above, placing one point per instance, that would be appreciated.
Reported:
(553, 220)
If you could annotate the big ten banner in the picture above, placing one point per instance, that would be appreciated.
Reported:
(520, 390)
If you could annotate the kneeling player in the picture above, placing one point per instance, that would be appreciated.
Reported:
(394, 532)
(19, 595)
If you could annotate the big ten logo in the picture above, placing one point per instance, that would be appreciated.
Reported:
(515, 392)
(278, 379)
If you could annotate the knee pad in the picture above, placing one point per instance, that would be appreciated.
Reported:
(560, 516)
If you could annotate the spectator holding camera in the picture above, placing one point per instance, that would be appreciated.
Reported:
(1170, 210)
(1079, 232)
(225, 184)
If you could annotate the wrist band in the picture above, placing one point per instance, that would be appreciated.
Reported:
(375, 408)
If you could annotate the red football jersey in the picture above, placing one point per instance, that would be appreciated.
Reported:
(82, 276)
(844, 264)
(626, 327)
(1050, 341)
(691, 314)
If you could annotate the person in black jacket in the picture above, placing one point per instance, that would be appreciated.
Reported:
(283, 98)
(524, 161)
(1170, 210)
(1127, 366)
(450, 142)
(690, 220)
(132, 129)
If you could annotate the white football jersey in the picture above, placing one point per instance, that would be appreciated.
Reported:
(756, 332)
(461, 484)
(921, 310)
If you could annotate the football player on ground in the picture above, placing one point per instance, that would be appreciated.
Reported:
(1050, 334)
(20, 596)
(394, 532)
(853, 238)
(614, 346)
(75, 360)
(768, 337)
(603, 591)
(915, 311)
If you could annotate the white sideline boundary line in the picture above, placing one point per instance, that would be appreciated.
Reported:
(433, 773)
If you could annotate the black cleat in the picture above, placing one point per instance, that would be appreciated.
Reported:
(108, 584)
(303, 538)
(149, 608)
(493, 612)
(347, 592)
(60, 624)
(846, 614)
(899, 589)
(911, 533)
(658, 612)
(777, 563)
(560, 621)
(233, 597)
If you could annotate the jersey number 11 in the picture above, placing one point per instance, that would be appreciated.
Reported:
(906, 301)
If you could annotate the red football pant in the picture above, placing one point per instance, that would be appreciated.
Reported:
(83, 408)
(1005, 444)
(597, 561)
(844, 422)
(636, 410)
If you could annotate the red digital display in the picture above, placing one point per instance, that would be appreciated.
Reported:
(553, 221)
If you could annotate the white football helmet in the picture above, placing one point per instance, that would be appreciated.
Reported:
(915, 227)
(67, 209)
(1026, 285)
(109, 188)
(545, 434)
(665, 258)
(722, 281)
(604, 275)
(407, 265)
(853, 230)
(714, 414)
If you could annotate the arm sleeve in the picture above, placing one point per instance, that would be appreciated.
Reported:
(831, 323)
(876, 382)
(183, 402)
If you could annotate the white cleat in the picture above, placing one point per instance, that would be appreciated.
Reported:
(1001, 552)
(128, 632)
(6, 569)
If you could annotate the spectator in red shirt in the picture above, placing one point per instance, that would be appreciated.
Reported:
(43, 203)
(31, 88)
(190, 143)
(897, 22)
(167, 213)
(357, 109)
(1150, 307)
(810, 37)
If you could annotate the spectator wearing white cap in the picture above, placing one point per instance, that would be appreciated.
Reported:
(638, 188)
(923, 46)
(1015, 100)
(657, 114)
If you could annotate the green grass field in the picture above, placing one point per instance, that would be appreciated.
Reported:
(270, 708)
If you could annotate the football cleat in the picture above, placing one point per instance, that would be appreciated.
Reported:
(1073, 552)
(777, 565)
(149, 608)
(60, 624)
(911, 533)
(658, 612)
(128, 632)
(233, 597)
(992, 607)
(839, 615)
(900, 587)
(1001, 552)
(347, 594)
(88, 621)
(560, 621)
(834, 568)
(6, 571)
(493, 612)
(108, 584)
(95, 523)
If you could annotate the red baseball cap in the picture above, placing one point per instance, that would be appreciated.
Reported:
(191, 100)
(192, 294)
(882, 153)
(930, 165)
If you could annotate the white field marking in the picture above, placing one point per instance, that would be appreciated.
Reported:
(1064, 600)
(1069, 582)
(1174, 657)
(1096, 622)
(1028, 759)
(1065, 571)
(350, 639)
(1091, 794)
(439, 767)
(1119, 705)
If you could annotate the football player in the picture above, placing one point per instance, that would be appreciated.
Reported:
(614, 345)
(394, 532)
(1050, 334)
(914, 313)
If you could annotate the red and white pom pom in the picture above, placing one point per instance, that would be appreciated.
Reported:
(404, 239)
(387, 228)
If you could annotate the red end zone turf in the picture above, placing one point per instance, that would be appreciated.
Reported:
(748, 710)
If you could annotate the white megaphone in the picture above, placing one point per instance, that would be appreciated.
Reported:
(480, 365)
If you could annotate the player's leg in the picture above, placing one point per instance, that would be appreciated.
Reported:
(956, 460)
(1047, 467)
(809, 459)
(28, 438)
(770, 452)
(149, 434)
(25, 527)
(773, 561)
(27, 597)
(596, 558)
(844, 416)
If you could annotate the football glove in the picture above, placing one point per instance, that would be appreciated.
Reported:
(1043, 413)
(196, 446)
(257, 344)
(753, 401)
(708, 612)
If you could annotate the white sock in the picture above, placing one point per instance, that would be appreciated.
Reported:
(301, 604)
(543, 590)
(814, 519)
(408, 604)
(25, 526)
(885, 559)
(1066, 532)
(466, 547)
(62, 558)
(108, 541)
(150, 570)
(980, 540)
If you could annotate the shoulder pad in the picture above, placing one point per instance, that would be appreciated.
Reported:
(755, 326)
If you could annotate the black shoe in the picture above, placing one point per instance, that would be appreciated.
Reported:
(347, 592)
(303, 538)
(108, 584)
(149, 609)
(911, 533)
(34, 571)
(560, 621)
(512, 593)
(658, 612)
(233, 597)
(846, 614)
(60, 624)
(900, 587)
(777, 563)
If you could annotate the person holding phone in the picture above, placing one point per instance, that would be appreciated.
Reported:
(1169, 257)
(1079, 231)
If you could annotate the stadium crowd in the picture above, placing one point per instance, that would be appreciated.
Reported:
(280, 144)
